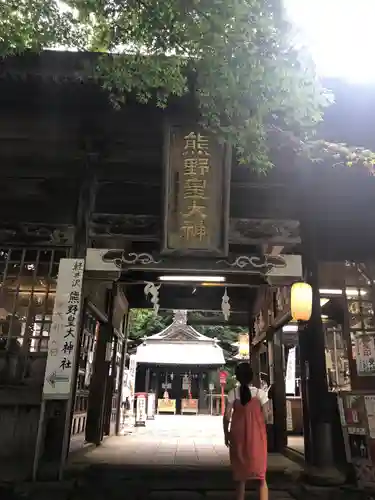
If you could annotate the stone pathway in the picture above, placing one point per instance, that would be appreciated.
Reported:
(173, 441)
(172, 458)
(167, 440)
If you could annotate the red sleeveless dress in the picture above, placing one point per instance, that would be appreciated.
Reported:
(248, 441)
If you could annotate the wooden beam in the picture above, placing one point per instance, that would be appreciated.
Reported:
(137, 227)
(233, 281)
(242, 231)
(36, 234)
(200, 299)
(250, 264)
(235, 319)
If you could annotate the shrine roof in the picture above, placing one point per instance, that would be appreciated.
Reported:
(181, 354)
(180, 344)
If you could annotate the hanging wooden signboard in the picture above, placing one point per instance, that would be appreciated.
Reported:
(197, 188)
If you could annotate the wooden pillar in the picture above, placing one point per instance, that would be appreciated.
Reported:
(307, 437)
(98, 388)
(218, 399)
(85, 206)
(201, 399)
(254, 353)
(316, 403)
(99, 382)
(147, 386)
(147, 379)
(110, 388)
(125, 331)
(277, 379)
(157, 386)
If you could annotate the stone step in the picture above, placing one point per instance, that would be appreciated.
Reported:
(212, 495)
(61, 491)
(171, 471)
(155, 486)
(142, 490)
(136, 484)
(177, 494)
(47, 493)
(176, 479)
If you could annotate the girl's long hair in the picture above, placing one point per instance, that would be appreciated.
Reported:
(244, 375)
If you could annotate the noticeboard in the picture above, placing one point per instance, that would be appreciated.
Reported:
(357, 416)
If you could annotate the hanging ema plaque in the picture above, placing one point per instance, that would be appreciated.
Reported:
(197, 185)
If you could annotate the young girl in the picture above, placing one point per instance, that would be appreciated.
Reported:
(247, 437)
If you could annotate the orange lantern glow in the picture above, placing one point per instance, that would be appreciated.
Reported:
(301, 301)
(243, 341)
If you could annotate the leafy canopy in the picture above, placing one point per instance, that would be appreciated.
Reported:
(37, 25)
(248, 78)
(144, 323)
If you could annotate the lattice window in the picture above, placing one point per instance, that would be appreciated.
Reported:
(27, 292)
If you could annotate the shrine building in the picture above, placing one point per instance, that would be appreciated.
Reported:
(179, 365)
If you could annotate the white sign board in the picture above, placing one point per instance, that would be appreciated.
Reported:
(131, 380)
(140, 410)
(185, 383)
(125, 388)
(290, 379)
(151, 406)
(289, 416)
(132, 366)
(365, 359)
(64, 334)
(370, 410)
(341, 411)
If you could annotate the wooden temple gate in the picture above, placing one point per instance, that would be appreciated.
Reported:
(139, 194)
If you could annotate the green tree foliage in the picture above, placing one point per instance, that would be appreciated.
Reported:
(227, 335)
(38, 24)
(252, 86)
(143, 323)
(248, 79)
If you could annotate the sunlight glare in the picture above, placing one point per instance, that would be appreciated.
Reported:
(339, 34)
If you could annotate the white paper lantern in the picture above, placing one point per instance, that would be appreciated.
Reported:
(301, 301)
